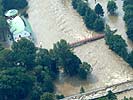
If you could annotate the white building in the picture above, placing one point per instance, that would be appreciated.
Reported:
(16, 25)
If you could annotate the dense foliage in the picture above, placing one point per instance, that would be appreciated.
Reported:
(128, 17)
(29, 72)
(111, 7)
(15, 83)
(92, 19)
(99, 10)
(118, 45)
(14, 4)
(3, 25)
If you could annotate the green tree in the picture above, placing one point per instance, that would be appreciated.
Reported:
(43, 76)
(81, 8)
(99, 10)
(49, 59)
(43, 57)
(6, 59)
(99, 25)
(3, 28)
(24, 52)
(118, 45)
(130, 59)
(89, 18)
(111, 7)
(127, 2)
(60, 96)
(111, 96)
(54, 62)
(48, 86)
(14, 4)
(75, 3)
(15, 84)
(84, 70)
(130, 32)
(36, 92)
(108, 33)
(67, 59)
(82, 90)
(128, 8)
(48, 96)
(116, 42)
(128, 16)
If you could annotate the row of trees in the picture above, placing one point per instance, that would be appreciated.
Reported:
(27, 72)
(111, 7)
(128, 17)
(118, 45)
(92, 19)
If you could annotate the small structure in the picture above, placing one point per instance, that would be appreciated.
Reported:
(16, 25)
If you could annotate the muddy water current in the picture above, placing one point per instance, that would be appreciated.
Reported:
(53, 20)
(116, 21)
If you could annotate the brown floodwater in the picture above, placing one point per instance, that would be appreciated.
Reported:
(128, 94)
(53, 20)
(116, 21)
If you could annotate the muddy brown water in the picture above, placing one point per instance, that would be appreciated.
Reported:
(53, 20)
(115, 22)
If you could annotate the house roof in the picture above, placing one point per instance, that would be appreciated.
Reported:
(16, 25)
(12, 12)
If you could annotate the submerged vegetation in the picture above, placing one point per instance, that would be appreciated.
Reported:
(128, 17)
(118, 45)
(92, 19)
(111, 7)
(28, 72)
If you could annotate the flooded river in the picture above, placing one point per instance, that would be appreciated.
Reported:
(115, 22)
(53, 20)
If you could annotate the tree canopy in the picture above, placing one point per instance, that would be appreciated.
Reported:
(24, 52)
(14, 4)
(15, 83)
(99, 10)
(111, 7)
(128, 17)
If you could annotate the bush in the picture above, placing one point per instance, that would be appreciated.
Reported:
(60, 96)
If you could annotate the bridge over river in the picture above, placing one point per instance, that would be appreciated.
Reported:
(53, 20)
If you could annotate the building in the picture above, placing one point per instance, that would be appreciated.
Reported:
(17, 25)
